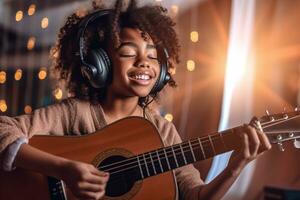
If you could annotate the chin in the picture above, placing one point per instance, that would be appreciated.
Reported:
(142, 93)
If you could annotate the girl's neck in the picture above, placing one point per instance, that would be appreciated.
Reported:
(117, 108)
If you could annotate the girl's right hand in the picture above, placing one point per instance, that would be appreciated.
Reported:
(84, 180)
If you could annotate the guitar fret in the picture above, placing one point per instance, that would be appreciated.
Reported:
(184, 158)
(212, 145)
(192, 151)
(152, 164)
(142, 174)
(159, 161)
(146, 165)
(202, 150)
(167, 159)
(175, 157)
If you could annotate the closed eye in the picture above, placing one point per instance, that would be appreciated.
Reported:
(152, 57)
(127, 55)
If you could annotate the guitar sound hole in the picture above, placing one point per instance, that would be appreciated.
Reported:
(122, 178)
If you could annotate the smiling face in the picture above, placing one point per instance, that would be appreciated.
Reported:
(135, 65)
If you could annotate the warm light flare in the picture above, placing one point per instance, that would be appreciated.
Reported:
(194, 36)
(27, 109)
(174, 10)
(42, 74)
(169, 117)
(31, 43)
(2, 77)
(172, 71)
(236, 66)
(237, 84)
(18, 75)
(31, 9)
(3, 106)
(44, 22)
(190, 65)
(19, 15)
(58, 94)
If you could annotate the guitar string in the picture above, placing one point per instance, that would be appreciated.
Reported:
(205, 139)
(154, 159)
(271, 122)
(266, 123)
(169, 148)
(161, 156)
(281, 120)
(275, 132)
(146, 163)
(184, 143)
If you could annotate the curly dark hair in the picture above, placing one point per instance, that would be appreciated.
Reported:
(151, 19)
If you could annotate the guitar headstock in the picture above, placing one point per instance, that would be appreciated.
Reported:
(282, 127)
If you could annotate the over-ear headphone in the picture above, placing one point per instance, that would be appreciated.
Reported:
(96, 66)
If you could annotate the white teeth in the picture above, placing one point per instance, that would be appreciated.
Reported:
(142, 77)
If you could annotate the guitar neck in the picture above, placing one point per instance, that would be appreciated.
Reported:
(278, 128)
(168, 158)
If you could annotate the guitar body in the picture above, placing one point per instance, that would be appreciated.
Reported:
(125, 138)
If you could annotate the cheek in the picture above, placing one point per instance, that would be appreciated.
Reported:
(120, 68)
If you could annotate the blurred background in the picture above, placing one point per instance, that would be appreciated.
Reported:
(239, 58)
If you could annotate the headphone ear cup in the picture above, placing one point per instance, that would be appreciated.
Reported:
(98, 70)
(163, 79)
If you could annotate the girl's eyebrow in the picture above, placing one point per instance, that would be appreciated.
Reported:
(134, 45)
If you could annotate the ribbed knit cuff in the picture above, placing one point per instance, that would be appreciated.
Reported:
(11, 153)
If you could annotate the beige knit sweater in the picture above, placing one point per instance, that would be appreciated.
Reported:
(78, 117)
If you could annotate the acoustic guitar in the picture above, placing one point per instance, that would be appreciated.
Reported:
(132, 151)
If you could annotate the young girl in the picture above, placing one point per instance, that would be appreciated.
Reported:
(139, 45)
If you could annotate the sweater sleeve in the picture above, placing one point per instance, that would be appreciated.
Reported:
(187, 177)
(56, 119)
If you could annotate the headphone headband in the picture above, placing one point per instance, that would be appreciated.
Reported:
(82, 28)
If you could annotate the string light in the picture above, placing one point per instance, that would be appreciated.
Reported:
(169, 117)
(3, 106)
(18, 75)
(27, 109)
(190, 65)
(194, 36)
(19, 15)
(44, 22)
(31, 9)
(42, 74)
(31, 43)
(2, 77)
(58, 94)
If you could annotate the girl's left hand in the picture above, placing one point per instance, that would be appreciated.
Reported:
(254, 143)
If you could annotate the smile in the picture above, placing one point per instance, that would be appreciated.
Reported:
(141, 74)
(141, 77)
